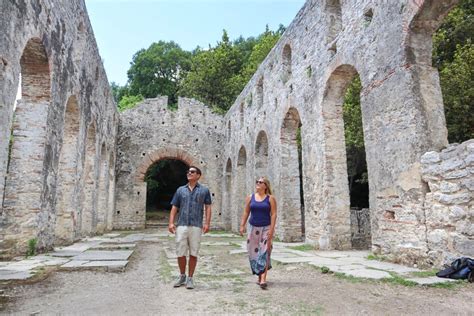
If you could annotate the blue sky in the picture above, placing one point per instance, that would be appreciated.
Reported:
(122, 27)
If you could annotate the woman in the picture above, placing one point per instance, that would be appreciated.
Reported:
(261, 206)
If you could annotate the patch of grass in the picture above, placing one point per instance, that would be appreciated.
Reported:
(165, 270)
(350, 278)
(373, 256)
(305, 247)
(32, 247)
(325, 270)
(424, 274)
(448, 285)
(396, 279)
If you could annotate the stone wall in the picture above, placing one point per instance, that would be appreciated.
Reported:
(151, 132)
(302, 82)
(49, 191)
(449, 204)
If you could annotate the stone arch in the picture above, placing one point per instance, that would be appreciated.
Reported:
(23, 195)
(426, 21)
(418, 49)
(286, 63)
(261, 155)
(240, 188)
(165, 153)
(334, 23)
(80, 42)
(291, 221)
(68, 158)
(102, 192)
(140, 186)
(227, 196)
(336, 211)
(88, 216)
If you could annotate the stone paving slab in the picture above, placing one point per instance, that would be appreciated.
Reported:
(342, 254)
(80, 246)
(368, 273)
(15, 275)
(74, 264)
(106, 264)
(65, 253)
(390, 267)
(97, 255)
(111, 246)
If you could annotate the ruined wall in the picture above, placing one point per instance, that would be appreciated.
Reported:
(302, 82)
(48, 189)
(151, 132)
(449, 205)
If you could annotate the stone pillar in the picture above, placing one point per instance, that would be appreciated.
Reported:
(399, 122)
(24, 181)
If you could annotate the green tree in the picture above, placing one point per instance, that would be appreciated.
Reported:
(219, 74)
(457, 30)
(129, 101)
(158, 70)
(457, 84)
(260, 50)
(453, 56)
(214, 77)
(118, 92)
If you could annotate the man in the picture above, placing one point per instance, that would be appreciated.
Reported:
(189, 199)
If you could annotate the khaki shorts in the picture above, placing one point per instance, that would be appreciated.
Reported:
(188, 238)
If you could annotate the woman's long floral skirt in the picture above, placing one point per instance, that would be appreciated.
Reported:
(259, 254)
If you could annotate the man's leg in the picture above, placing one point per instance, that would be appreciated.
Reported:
(192, 265)
(182, 264)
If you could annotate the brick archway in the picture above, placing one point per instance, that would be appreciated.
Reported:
(164, 153)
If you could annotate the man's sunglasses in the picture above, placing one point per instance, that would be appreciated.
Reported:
(192, 171)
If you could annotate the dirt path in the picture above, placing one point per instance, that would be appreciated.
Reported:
(224, 285)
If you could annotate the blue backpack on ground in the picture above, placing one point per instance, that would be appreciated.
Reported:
(460, 269)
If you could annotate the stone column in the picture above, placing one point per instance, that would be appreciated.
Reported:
(403, 118)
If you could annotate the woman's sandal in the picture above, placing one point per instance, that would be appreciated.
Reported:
(263, 285)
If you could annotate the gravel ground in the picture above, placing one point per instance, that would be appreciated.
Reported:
(224, 285)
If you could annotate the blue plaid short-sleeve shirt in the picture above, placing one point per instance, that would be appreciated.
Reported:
(191, 204)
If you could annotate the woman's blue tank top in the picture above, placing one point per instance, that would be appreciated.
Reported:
(260, 212)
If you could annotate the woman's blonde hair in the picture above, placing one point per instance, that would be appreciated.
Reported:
(268, 189)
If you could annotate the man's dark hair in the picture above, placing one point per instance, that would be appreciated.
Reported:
(197, 169)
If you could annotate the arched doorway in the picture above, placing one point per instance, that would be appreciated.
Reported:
(261, 155)
(345, 165)
(65, 219)
(24, 173)
(227, 196)
(87, 217)
(291, 221)
(162, 179)
(240, 188)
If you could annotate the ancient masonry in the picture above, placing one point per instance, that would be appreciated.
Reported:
(58, 143)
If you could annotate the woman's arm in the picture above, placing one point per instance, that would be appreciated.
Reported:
(273, 214)
(245, 216)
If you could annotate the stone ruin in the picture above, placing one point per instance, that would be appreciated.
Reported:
(72, 166)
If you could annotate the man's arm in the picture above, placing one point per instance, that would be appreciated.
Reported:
(205, 228)
(171, 227)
